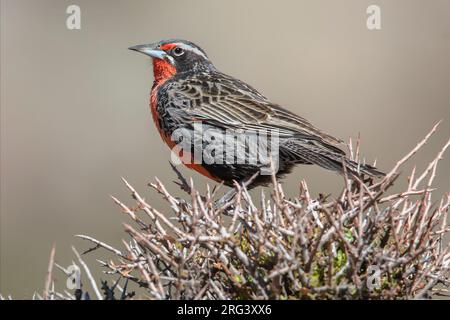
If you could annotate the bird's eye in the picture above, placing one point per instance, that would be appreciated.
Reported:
(178, 51)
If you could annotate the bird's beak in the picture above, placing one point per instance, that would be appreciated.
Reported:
(151, 50)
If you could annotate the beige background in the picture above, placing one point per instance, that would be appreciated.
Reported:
(74, 104)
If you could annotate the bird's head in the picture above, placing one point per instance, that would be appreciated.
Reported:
(174, 56)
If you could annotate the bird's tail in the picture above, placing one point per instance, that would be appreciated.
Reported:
(359, 169)
(331, 158)
(353, 169)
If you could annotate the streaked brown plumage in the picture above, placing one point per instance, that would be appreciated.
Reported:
(188, 88)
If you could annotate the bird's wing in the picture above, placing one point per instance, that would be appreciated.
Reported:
(226, 102)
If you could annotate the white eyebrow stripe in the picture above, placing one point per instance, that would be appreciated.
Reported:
(185, 46)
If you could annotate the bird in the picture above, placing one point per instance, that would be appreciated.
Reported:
(188, 89)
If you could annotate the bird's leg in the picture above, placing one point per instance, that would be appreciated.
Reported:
(183, 183)
(227, 197)
(230, 194)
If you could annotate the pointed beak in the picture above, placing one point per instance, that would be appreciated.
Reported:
(151, 50)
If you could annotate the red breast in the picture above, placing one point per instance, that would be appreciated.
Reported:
(163, 71)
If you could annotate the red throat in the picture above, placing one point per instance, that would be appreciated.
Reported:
(162, 70)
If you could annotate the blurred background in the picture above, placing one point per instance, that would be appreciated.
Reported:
(75, 116)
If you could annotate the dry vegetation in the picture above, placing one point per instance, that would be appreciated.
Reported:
(368, 243)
